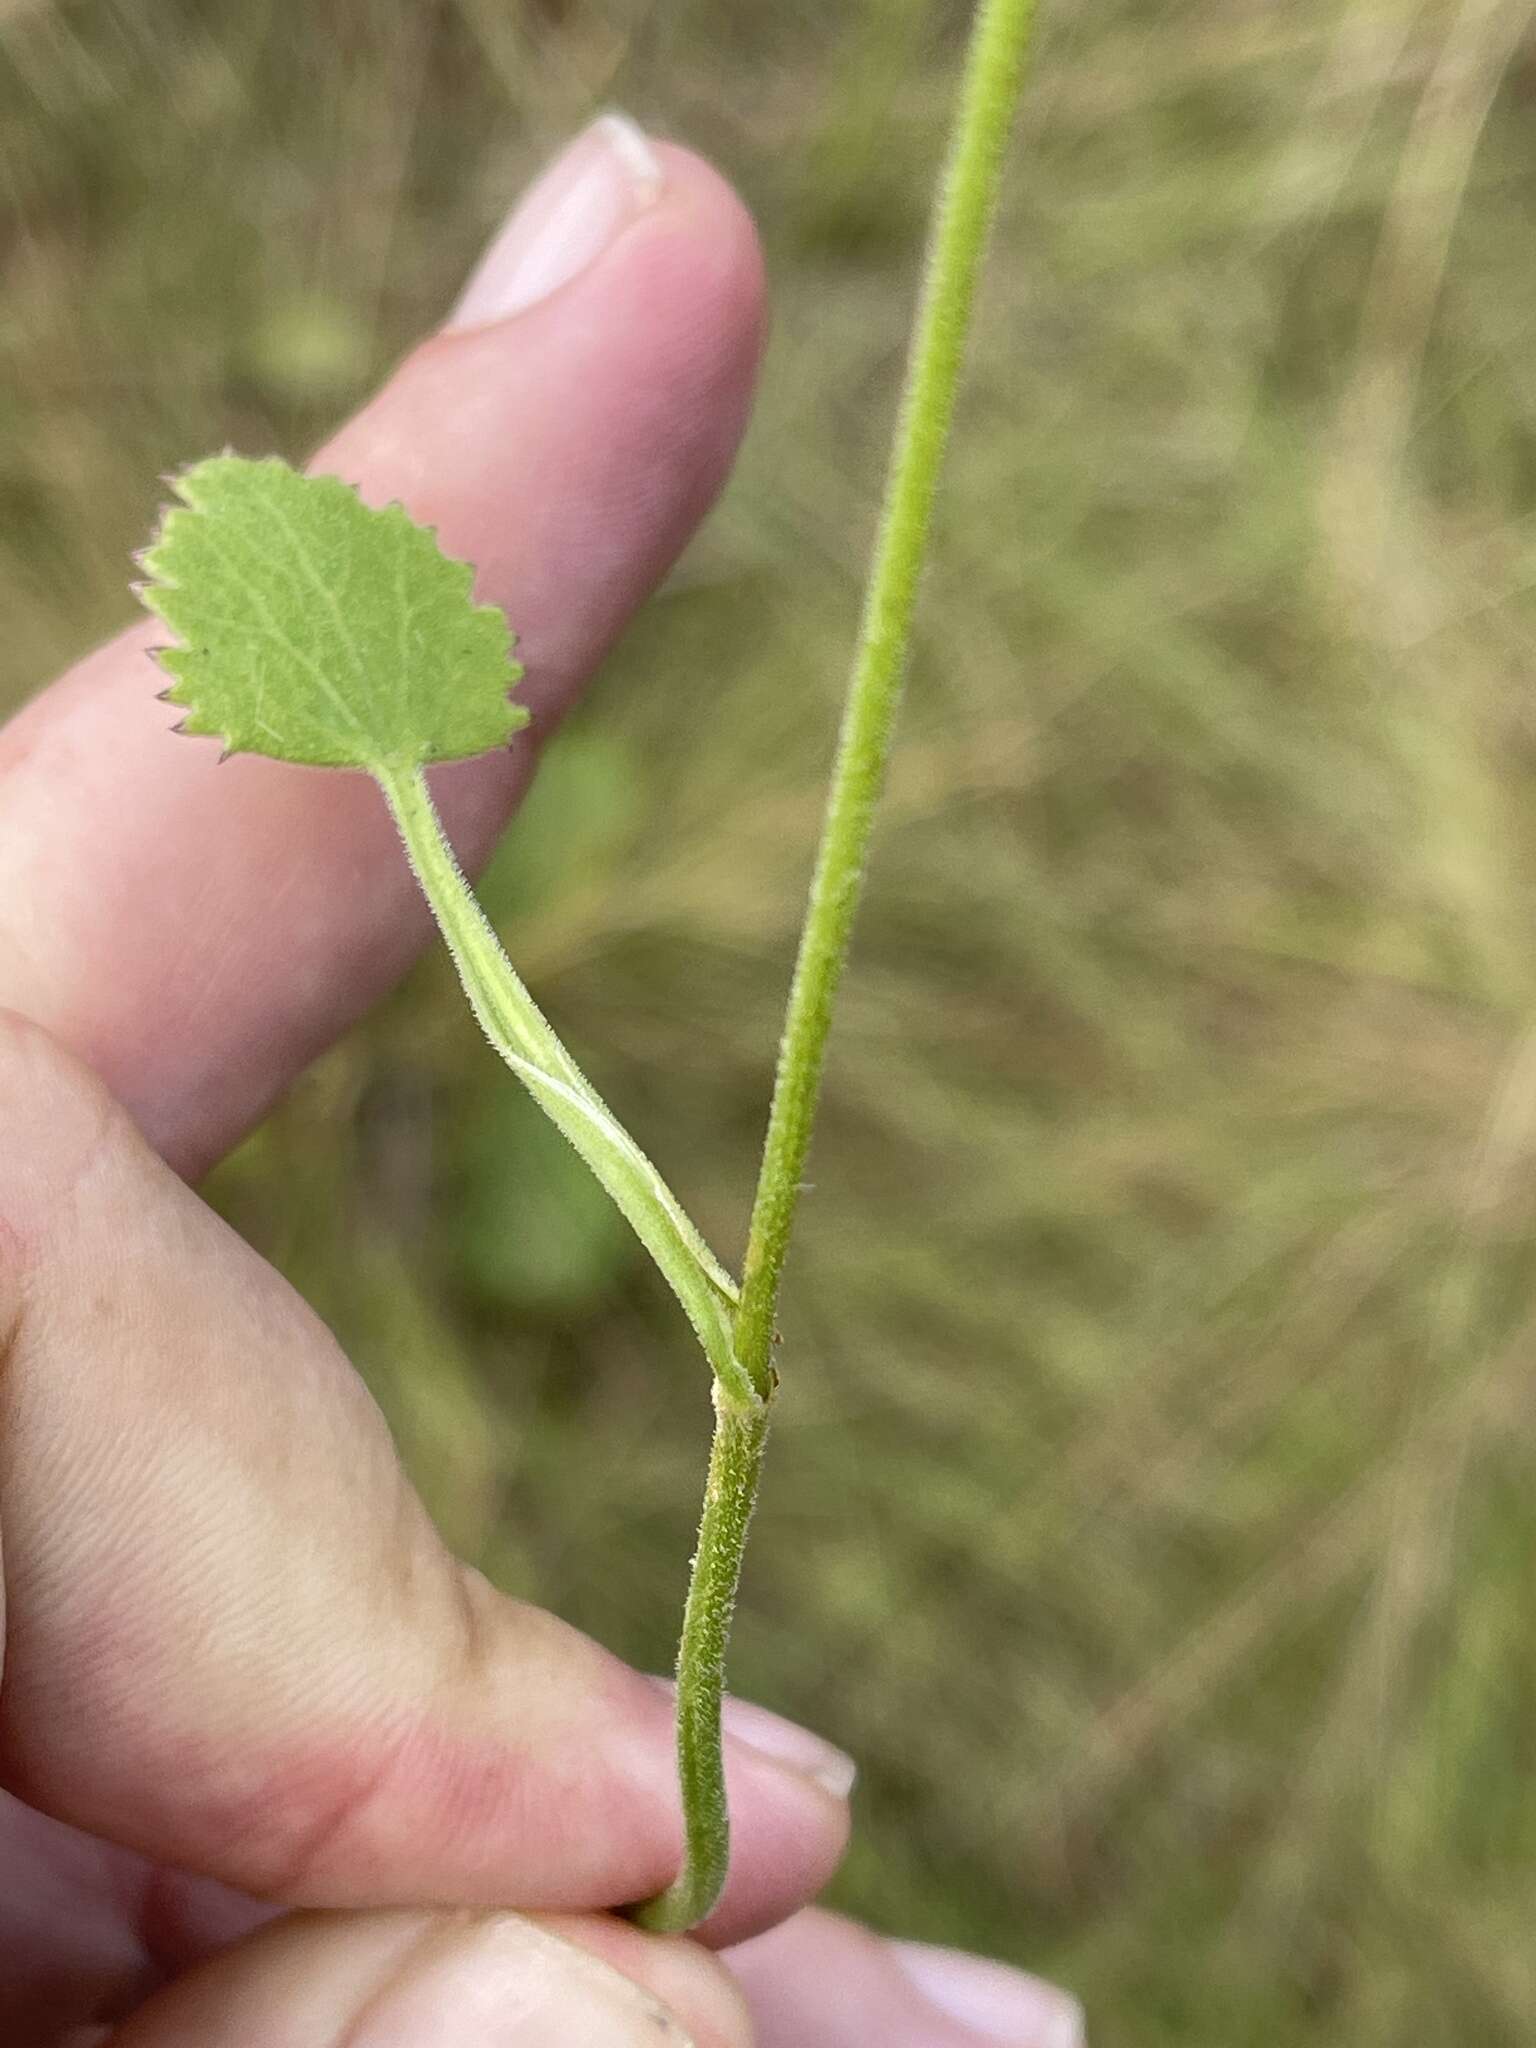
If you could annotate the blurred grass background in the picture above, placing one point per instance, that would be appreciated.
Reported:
(1152, 1506)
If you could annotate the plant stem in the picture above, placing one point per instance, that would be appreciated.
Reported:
(520, 1032)
(988, 95)
(989, 92)
(735, 1461)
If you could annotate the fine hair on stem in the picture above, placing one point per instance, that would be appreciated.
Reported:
(989, 93)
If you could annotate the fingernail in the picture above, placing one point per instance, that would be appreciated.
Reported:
(503, 1982)
(789, 1745)
(581, 205)
(993, 2002)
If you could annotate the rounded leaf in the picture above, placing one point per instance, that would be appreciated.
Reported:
(314, 628)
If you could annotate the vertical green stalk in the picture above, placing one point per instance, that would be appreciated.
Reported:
(730, 1493)
(968, 196)
(989, 93)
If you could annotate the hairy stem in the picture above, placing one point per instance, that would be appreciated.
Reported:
(520, 1032)
(988, 95)
(735, 1461)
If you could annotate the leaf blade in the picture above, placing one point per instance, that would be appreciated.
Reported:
(317, 629)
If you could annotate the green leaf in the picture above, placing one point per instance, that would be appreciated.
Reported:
(315, 629)
(319, 630)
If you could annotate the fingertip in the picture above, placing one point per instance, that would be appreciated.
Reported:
(825, 1978)
(640, 372)
(726, 245)
(699, 256)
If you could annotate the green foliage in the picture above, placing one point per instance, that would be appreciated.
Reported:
(316, 629)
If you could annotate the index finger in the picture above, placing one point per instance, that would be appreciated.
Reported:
(198, 931)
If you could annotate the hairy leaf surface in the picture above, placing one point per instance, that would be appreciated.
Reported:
(316, 629)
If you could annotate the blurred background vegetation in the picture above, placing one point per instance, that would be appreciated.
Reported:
(1152, 1504)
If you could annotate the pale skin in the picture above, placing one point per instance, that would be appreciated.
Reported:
(275, 1769)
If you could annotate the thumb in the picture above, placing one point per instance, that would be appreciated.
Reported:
(418, 1980)
(233, 1641)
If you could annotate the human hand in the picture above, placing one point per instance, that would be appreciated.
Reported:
(276, 1768)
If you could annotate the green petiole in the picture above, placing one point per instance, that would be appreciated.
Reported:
(520, 1032)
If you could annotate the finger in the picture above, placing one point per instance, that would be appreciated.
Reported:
(423, 1980)
(88, 1927)
(820, 1981)
(198, 932)
(234, 1642)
